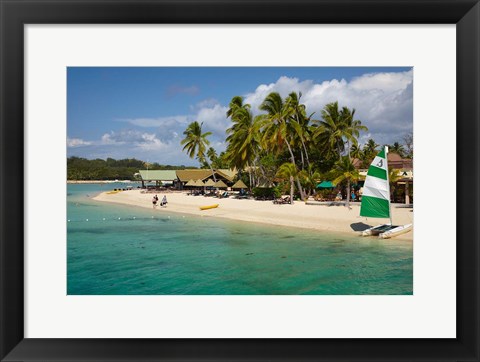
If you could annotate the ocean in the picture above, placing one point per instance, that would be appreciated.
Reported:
(125, 250)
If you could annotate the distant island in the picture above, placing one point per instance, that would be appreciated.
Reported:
(82, 169)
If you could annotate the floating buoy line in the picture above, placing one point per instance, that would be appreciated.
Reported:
(132, 218)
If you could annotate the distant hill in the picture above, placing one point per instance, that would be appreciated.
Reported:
(110, 169)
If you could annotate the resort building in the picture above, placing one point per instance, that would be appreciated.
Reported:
(404, 184)
(179, 178)
(160, 177)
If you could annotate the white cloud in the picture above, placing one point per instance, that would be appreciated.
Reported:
(160, 121)
(214, 120)
(77, 142)
(209, 102)
(213, 116)
(383, 101)
(132, 138)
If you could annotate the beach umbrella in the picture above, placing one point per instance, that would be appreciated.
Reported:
(266, 185)
(210, 183)
(239, 185)
(325, 185)
(220, 184)
(199, 183)
(190, 183)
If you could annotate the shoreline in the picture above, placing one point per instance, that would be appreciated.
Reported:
(100, 181)
(331, 218)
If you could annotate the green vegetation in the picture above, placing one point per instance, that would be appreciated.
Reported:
(110, 169)
(196, 142)
(287, 146)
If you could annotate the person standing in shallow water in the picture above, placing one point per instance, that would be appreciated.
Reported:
(154, 201)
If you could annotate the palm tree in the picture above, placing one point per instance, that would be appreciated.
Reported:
(355, 152)
(235, 104)
(277, 129)
(393, 177)
(243, 142)
(196, 142)
(398, 149)
(212, 156)
(332, 129)
(299, 122)
(369, 152)
(309, 179)
(288, 171)
(352, 126)
(345, 171)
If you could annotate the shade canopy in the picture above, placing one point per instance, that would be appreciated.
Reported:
(325, 185)
(220, 184)
(239, 185)
(199, 183)
(210, 182)
(266, 185)
(190, 183)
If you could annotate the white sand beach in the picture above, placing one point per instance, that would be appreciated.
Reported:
(335, 218)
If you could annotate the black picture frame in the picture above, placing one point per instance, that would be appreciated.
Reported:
(17, 13)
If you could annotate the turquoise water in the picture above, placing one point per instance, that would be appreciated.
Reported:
(137, 251)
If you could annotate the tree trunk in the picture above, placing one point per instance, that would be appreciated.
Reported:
(250, 177)
(211, 168)
(303, 162)
(291, 190)
(302, 197)
(348, 193)
(407, 194)
(306, 153)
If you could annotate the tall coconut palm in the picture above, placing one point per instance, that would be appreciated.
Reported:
(369, 152)
(299, 122)
(345, 171)
(277, 129)
(288, 171)
(355, 152)
(243, 141)
(195, 143)
(352, 126)
(332, 129)
(212, 156)
(235, 104)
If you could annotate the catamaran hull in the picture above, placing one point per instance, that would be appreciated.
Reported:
(386, 231)
(399, 230)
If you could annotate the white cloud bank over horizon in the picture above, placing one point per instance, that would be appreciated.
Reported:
(383, 102)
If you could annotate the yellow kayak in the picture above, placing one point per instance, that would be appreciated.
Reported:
(208, 207)
(113, 192)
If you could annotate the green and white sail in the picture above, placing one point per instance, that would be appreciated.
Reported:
(376, 190)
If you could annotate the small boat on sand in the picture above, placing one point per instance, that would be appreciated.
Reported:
(376, 199)
(209, 207)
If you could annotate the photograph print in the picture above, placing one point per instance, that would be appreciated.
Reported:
(240, 180)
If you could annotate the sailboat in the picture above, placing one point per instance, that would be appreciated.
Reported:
(376, 199)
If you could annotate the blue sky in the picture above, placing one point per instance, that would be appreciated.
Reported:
(141, 112)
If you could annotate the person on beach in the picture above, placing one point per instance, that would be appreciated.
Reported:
(339, 196)
(353, 196)
(154, 201)
(164, 201)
